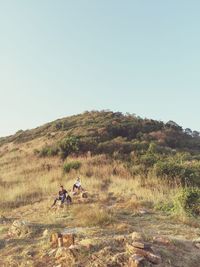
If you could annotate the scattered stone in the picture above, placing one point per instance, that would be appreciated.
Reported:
(120, 239)
(54, 239)
(62, 240)
(45, 233)
(196, 243)
(141, 245)
(87, 243)
(2, 243)
(137, 236)
(118, 260)
(75, 250)
(30, 253)
(162, 240)
(143, 211)
(65, 255)
(123, 227)
(84, 195)
(136, 261)
(4, 220)
(19, 228)
(51, 252)
(60, 252)
(68, 239)
(148, 255)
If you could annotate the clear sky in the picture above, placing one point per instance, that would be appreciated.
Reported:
(63, 57)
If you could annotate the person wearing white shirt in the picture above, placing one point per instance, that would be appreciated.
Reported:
(77, 185)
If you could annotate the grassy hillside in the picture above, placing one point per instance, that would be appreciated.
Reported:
(141, 175)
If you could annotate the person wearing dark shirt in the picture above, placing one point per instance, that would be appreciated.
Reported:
(62, 195)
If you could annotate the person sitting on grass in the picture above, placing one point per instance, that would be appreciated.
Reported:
(62, 195)
(77, 185)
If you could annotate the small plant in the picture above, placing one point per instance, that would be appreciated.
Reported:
(75, 165)
(47, 151)
(188, 201)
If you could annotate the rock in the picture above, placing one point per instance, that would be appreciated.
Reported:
(4, 220)
(120, 239)
(51, 252)
(60, 252)
(60, 242)
(54, 239)
(197, 245)
(75, 249)
(162, 240)
(143, 211)
(141, 245)
(148, 255)
(19, 228)
(84, 195)
(136, 261)
(2, 243)
(118, 259)
(65, 255)
(45, 233)
(30, 253)
(68, 239)
(137, 236)
(87, 243)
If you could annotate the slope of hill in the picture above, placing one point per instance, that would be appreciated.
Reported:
(106, 125)
(141, 176)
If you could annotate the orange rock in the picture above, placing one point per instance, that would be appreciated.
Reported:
(162, 240)
(68, 239)
(54, 239)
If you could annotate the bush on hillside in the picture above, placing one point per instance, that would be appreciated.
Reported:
(48, 151)
(188, 201)
(68, 145)
(186, 174)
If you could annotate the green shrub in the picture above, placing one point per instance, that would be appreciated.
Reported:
(68, 145)
(187, 174)
(188, 201)
(48, 151)
(67, 167)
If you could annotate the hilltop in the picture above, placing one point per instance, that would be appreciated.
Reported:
(142, 179)
(102, 126)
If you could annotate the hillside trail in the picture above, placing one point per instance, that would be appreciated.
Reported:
(156, 227)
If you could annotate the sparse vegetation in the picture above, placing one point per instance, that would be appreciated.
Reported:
(188, 201)
(93, 215)
(124, 162)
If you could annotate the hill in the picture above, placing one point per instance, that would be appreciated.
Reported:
(142, 179)
(106, 125)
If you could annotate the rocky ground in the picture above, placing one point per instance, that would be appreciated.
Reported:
(38, 236)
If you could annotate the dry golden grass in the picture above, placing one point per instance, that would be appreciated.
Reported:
(26, 178)
(92, 215)
(28, 185)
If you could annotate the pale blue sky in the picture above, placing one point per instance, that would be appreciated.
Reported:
(63, 57)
